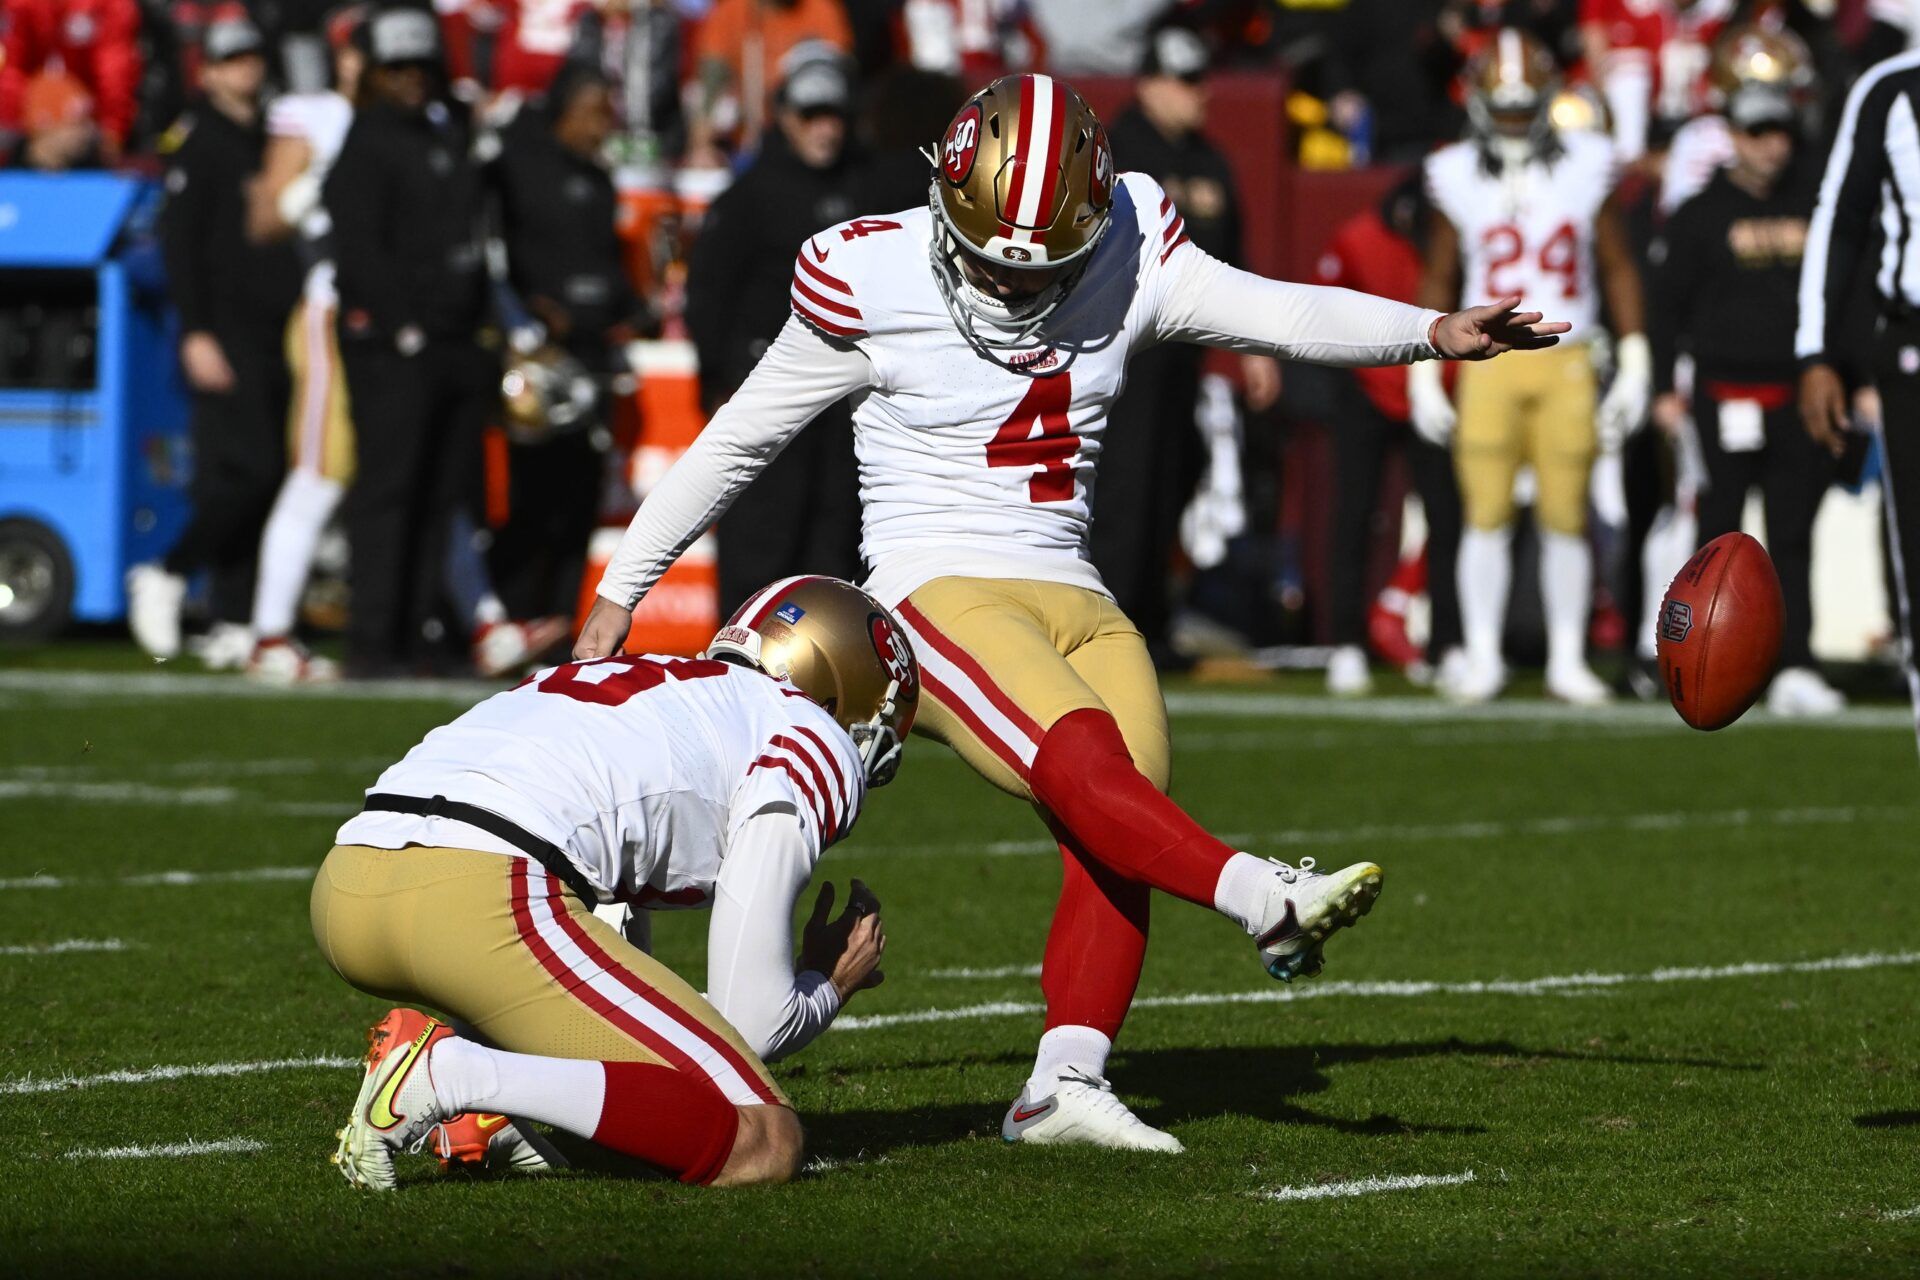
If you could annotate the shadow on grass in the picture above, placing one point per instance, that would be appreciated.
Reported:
(1178, 1086)
(1888, 1120)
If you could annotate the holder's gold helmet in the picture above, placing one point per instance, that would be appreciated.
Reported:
(840, 647)
(1511, 85)
(1024, 178)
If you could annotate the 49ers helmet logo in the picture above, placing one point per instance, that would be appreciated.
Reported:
(963, 143)
(1100, 188)
(894, 652)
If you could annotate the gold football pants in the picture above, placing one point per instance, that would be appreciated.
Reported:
(1002, 659)
(498, 943)
(1527, 408)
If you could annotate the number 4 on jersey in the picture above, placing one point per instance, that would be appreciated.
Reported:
(1037, 434)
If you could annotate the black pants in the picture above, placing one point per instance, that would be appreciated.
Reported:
(553, 505)
(1792, 474)
(802, 515)
(1151, 457)
(1897, 374)
(417, 422)
(1360, 442)
(239, 459)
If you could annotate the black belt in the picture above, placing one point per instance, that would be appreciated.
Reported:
(546, 853)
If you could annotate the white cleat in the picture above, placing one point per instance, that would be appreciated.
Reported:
(1347, 673)
(1800, 692)
(501, 648)
(396, 1109)
(284, 661)
(1471, 680)
(154, 597)
(227, 646)
(1304, 907)
(1082, 1109)
(1574, 683)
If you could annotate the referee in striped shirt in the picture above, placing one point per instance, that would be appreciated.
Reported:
(1871, 194)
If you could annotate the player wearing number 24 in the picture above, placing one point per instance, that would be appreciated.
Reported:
(1523, 208)
(984, 339)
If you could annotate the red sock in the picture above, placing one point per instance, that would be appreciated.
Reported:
(1083, 775)
(1096, 946)
(668, 1119)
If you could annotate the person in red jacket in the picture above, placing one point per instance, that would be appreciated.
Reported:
(1377, 251)
(94, 40)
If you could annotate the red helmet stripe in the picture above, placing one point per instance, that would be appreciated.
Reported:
(770, 599)
(1056, 142)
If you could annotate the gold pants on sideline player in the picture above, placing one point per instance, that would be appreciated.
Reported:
(1002, 659)
(319, 426)
(1533, 408)
(495, 942)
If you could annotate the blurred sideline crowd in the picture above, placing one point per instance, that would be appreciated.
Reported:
(398, 238)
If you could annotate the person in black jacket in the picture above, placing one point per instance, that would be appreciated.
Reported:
(233, 298)
(1153, 454)
(406, 200)
(557, 214)
(1727, 272)
(802, 515)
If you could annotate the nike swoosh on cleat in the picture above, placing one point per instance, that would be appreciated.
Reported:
(380, 1114)
(1289, 926)
(485, 1122)
(1023, 1114)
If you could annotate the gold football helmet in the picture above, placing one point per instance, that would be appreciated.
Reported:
(544, 393)
(840, 647)
(1023, 179)
(1751, 57)
(1511, 86)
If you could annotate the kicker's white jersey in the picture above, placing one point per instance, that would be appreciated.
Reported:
(640, 768)
(962, 460)
(1529, 230)
(320, 120)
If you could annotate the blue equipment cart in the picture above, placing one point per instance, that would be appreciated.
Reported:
(93, 412)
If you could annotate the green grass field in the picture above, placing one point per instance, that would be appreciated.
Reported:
(1638, 1000)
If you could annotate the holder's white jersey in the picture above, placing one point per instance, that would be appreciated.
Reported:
(1529, 230)
(642, 769)
(969, 468)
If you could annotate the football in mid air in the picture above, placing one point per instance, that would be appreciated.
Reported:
(1720, 631)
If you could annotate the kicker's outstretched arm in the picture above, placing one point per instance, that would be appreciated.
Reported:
(801, 374)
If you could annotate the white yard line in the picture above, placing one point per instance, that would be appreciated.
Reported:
(1420, 833)
(1552, 985)
(170, 1150)
(114, 792)
(1233, 703)
(1900, 1215)
(1369, 1186)
(998, 971)
(66, 946)
(59, 1084)
(163, 879)
(1241, 703)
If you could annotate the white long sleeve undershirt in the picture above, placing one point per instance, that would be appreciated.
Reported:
(1204, 301)
(750, 962)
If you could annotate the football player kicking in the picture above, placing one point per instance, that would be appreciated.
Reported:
(984, 339)
(467, 885)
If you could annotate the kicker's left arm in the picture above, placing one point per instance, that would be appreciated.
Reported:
(1206, 301)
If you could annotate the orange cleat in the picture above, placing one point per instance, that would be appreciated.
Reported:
(396, 1108)
(483, 1141)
